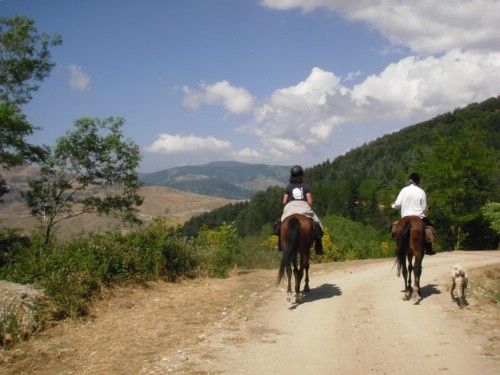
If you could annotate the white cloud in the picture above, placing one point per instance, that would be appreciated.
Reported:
(206, 148)
(285, 146)
(427, 87)
(236, 100)
(301, 118)
(175, 144)
(78, 79)
(247, 153)
(425, 26)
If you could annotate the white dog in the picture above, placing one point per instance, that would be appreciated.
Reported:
(459, 281)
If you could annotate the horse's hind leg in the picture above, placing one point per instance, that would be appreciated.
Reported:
(299, 273)
(407, 287)
(306, 281)
(289, 278)
(417, 274)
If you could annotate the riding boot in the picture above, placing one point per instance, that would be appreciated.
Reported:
(318, 243)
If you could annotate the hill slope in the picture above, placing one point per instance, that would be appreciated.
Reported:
(174, 205)
(227, 179)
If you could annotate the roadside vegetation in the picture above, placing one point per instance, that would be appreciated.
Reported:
(73, 273)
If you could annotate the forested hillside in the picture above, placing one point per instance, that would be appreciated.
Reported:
(456, 153)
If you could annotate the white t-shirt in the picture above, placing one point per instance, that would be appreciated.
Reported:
(412, 201)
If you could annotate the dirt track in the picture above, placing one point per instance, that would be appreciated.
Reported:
(353, 322)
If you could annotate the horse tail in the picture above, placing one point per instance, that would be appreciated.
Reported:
(403, 243)
(290, 249)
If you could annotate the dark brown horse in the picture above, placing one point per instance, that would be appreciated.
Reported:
(410, 238)
(297, 237)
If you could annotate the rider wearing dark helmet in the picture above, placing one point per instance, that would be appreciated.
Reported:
(412, 201)
(298, 199)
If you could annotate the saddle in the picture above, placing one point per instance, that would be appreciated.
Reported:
(430, 233)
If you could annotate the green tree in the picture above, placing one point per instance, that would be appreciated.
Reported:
(459, 177)
(491, 211)
(91, 169)
(25, 60)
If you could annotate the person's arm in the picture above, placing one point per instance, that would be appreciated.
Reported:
(309, 199)
(285, 198)
(397, 204)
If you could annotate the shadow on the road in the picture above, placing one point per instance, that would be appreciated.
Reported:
(322, 292)
(429, 290)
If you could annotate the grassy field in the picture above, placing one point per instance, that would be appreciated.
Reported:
(173, 205)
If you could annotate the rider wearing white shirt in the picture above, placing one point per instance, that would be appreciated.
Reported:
(412, 201)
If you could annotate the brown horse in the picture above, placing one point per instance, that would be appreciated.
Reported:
(410, 239)
(297, 237)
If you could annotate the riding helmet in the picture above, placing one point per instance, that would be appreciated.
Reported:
(296, 171)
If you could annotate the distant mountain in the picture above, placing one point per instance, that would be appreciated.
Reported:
(226, 179)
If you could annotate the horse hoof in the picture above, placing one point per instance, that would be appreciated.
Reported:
(297, 298)
(307, 289)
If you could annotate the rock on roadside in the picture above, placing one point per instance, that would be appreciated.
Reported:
(19, 311)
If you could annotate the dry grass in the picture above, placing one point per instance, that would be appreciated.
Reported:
(174, 205)
(129, 327)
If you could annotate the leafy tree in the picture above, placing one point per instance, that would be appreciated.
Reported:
(458, 175)
(13, 148)
(25, 60)
(491, 211)
(84, 173)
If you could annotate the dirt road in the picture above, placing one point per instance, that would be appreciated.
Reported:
(355, 322)
(352, 322)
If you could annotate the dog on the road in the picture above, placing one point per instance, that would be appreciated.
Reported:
(459, 280)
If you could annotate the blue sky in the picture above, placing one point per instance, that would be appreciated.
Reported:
(269, 81)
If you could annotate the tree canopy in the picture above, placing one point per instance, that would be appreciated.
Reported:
(25, 60)
(90, 169)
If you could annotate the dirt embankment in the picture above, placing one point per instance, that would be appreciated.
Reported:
(352, 321)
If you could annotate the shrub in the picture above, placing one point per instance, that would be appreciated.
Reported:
(347, 240)
(72, 273)
(218, 249)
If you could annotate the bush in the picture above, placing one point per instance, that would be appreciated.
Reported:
(218, 249)
(73, 272)
(348, 240)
